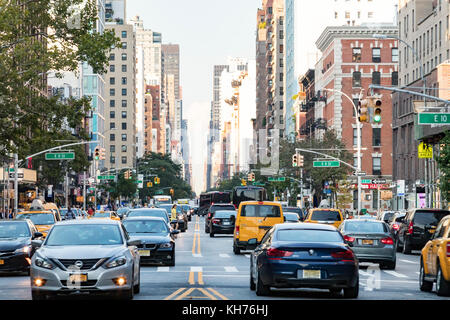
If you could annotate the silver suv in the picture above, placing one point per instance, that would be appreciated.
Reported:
(85, 256)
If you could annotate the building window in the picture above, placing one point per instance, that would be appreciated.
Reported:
(112, 137)
(112, 159)
(347, 15)
(124, 160)
(112, 68)
(124, 126)
(356, 57)
(281, 105)
(124, 114)
(112, 125)
(124, 34)
(124, 45)
(376, 77)
(124, 80)
(124, 68)
(395, 78)
(124, 137)
(376, 166)
(376, 55)
(356, 79)
(281, 119)
(124, 57)
(124, 148)
(281, 91)
(112, 114)
(370, 15)
(112, 80)
(112, 57)
(395, 55)
(112, 92)
(376, 137)
(112, 148)
(124, 103)
(124, 92)
(112, 103)
(281, 48)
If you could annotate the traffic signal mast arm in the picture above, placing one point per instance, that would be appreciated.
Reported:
(327, 156)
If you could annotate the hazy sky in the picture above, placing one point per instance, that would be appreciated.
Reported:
(208, 31)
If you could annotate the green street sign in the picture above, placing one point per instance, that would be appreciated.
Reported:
(158, 192)
(60, 156)
(106, 177)
(326, 164)
(434, 118)
(278, 179)
(368, 181)
(259, 184)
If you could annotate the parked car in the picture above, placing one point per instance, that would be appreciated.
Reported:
(299, 255)
(222, 222)
(417, 228)
(212, 209)
(371, 241)
(92, 256)
(156, 237)
(290, 217)
(435, 260)
(186, 210)
(15, 245)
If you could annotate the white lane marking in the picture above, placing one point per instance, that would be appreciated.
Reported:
(197, 255)
(364, 273)
(224, 255)
(247, 256)
(418, 273)
(231, 269)
(395, 274)
(196, 269)
(407, 261)
(163, 269)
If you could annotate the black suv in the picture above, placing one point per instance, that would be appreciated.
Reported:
(417, 228)
(212, 209)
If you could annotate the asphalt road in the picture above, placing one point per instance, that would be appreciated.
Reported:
(207, 269)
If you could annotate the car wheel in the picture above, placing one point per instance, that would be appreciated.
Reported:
(206, 230)
(261, 288)
(352, 292)
(424, 285)
(236, 250)
(36, 295)
(211, 234)
(442, 286)
(252, 281)
(406, 247)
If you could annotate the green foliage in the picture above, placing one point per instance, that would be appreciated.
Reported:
(124, 188)
(444, 166)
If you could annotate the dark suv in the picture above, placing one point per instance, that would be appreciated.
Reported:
(212, 209)
(417, 228)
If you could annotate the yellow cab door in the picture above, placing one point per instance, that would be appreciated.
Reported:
(437, 241)
(247, 221)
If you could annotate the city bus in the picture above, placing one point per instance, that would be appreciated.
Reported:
(157, 200)
(248, 193)
(209, 198)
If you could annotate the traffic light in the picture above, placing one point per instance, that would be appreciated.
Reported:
(251, 177)
(300, 160)
(243, 182)
(97, 153)
(377, 110)
(363, 110)
(156, 180)
(295, 160)
(127, 175)
(102, 154)
(171, 192)
(149, 184)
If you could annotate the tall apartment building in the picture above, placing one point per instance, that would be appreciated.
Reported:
(351, 61)
(425, 53)
(152, 119)
(305, 20)
(120, 91)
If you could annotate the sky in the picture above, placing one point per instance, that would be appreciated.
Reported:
(208, 31)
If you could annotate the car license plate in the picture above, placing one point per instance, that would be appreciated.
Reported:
(226, 223)
(77, 278)
(370, 242)
(310, 274)
(2, 262)
(144, 253)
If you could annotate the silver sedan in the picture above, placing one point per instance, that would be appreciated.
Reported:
(85, 256)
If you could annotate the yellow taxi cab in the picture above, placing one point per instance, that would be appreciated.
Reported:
(105, 215)
(40, 205)
(253, 220)
(328, 216)
(42, 219)
(435, 260)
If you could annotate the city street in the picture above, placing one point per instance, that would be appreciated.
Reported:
(207, 269)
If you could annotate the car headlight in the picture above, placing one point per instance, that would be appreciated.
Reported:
(43, 263)
(116, 262)
(166, 245)
(25, 249)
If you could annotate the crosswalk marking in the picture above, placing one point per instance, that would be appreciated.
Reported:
(407, 261)
(196, 269)
(231, 269)
(224, 255)
(395, 274)
(364, 273)
(163, 269)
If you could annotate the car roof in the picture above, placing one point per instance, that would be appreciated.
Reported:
(89, 221)
(15, 221)
(148, 209)
(325, 209)
(38, 211)
(267, 203)
(145, 218)
(304, 226)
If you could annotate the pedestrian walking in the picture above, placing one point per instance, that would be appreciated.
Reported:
(174, 217)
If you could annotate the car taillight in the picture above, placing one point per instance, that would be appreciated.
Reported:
(395, 226)
(344, 255)
(410, 228)
(387, 240)
(349, 239)
(215, 221)
(209, 215)
(277, 254)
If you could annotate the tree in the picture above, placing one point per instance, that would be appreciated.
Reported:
(38, 37)
(443, 161)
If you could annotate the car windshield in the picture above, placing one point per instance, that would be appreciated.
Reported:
(325, 215)
(260, 211)
(38, 218)
(14, 230)
(122, 210)
(308, 235)
(148, 213)
(215, 208)
(84, 234)
(101, 215)
(365, 227)
(430, 217)
(224, 214)
(185, 207)
(388, 215)
(143, 226)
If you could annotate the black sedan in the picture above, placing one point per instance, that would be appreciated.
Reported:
(157, 241)
(15, 245)
(222, 222)
(297, 255)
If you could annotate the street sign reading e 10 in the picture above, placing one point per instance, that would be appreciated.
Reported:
(60, 156)
(326, 164)
(106, 177)
(433, 118)
(279, 179)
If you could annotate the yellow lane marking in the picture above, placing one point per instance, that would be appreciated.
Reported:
(174, 294)
(200, 278)
(191, 277)
(206, 293)
(185, 294)
(217, 294)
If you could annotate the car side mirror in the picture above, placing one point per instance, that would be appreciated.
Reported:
(36, 243)
(134, 243)
(176, 231)
(37, 235)
(284, 218)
